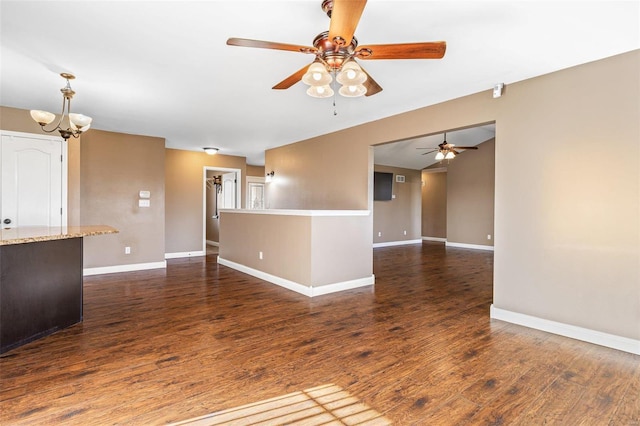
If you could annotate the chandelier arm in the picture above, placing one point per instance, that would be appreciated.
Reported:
(76, 131)
(57, 126)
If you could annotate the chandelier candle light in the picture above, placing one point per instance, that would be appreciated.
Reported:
(78, 123)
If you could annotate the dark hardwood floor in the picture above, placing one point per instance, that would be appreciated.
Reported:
(163, 346)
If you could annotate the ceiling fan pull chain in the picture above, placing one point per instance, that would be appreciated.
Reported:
(335, 110)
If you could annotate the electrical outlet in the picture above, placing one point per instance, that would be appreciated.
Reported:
(127, 250)
(488, 236)
(405, 232)
(379, 234)
(260, 255)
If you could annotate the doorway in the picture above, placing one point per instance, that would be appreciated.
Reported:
(222, 189)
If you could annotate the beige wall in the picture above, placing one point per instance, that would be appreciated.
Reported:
(305, 174)
(243, 236)
(567, 232)
(434, 203)
(402, 213)
(567, 229)
(470, 196)
(184, 183)
(255, 171)
(115, 167)
(309, 250)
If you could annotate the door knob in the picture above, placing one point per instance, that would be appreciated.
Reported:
(7, 221)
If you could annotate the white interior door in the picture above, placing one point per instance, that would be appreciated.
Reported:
(227, 197)
(255, 195)
(33, 179)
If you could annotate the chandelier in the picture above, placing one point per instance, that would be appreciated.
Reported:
(77, 123)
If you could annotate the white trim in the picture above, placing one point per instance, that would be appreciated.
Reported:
(184, 254)
(309, 291)
(300, 212)
(397, 243)
(567, 330)
(343, 285)
(213, 243)
(437, 239)
(124, 268)
(469, 246)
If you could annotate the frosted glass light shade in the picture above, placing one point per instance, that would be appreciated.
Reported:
(450, 155)
(42, 117)
(351, 74)
(79, 121)
(439, 156)
(320, 91)
(211, 151)
(316, 75)
(353, 91)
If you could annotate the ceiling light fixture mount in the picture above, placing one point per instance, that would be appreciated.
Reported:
(77, 123)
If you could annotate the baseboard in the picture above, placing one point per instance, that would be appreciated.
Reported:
(469, 246)
(297, 287)
(213, 243)
(396, 243)
(123, 268)
(437, 239)
(184, 254)
(586, 335)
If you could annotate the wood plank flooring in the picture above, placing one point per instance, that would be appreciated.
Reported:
(159, 346)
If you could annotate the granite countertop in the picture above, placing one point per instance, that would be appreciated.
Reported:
(34, 234)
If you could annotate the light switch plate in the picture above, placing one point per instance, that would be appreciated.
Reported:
(144, 203)
(145, 194)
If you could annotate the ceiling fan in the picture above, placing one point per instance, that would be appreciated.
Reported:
(445, 150)
(336, 51)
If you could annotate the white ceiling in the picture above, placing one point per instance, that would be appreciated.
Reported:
(411, 154)
(162, 68)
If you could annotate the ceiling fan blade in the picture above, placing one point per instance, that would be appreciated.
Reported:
(245, 42)
(292, 79)
(344, 19)
(466, 147)
(426, 50)
(429, 152)
(370, 84)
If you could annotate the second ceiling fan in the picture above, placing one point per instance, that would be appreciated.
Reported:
(446, 150)
(336, 51)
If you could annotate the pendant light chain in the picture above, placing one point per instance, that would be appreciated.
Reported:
(335, 110)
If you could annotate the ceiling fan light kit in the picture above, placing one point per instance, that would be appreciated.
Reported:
(317, 75)
(320, 91)
(353, 91)
(336, 52)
